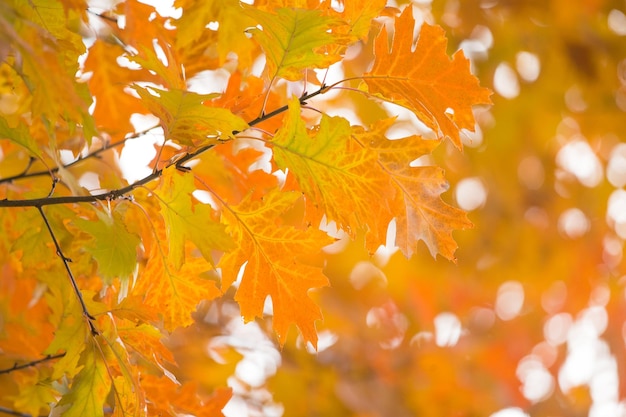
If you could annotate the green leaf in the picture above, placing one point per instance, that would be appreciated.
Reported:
(112, 246)
(187, 219)
(186, 120)
(296, 39)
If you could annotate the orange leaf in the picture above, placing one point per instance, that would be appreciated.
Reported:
(420, 212)
(440, 91)
(273, 269)
(166, 397)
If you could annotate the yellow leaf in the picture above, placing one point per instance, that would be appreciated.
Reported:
(230, 37)
(296, 39)
(338, 178)
(440, 91)
(186, 120)
(112, 246)
(90, 387)
(270, 252)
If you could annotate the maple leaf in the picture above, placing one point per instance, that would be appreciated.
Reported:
(296, 39)
(270, 252)
(440, 91)
(186, 120)
(186, 219)
(337, 178)
(112, 246)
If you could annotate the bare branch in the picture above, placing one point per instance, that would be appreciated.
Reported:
(66, 261)
(17, 367)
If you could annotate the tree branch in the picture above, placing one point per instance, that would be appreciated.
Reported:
(17, 367)
(94, 154)
(13, 412)
(66, 262)
(121, 192)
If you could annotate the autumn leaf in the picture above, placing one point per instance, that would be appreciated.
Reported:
(90, 387)
(186, 120)
(187, 219)
(167, 396)
(270, 253)
(295, 39)
(107, 84)
(170, 290)
(112, 246)
(338, 178)
(440, 91)
(20, 135)
(420, 212)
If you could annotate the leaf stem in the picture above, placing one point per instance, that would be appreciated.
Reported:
(66, 261)
(17, 367)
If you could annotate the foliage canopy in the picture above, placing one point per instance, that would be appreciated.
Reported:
(292, 169)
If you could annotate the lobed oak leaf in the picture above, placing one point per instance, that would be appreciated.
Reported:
(359, 16)
(112, 245)
(192, 32)
(187, 219)
(296, 39)
(340, 180)
(440, 91)
(173, 292)
(270, 253)
(167, 397)
(107, 84)
(72, 331)
(90, 386)
(420, 212)
(186, 120)
(35, 392)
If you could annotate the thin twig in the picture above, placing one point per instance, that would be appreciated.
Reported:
(17, 367)
(13, 412)
(121, 192)
(25, 174)
(66, 263)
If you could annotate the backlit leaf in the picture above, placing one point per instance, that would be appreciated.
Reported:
(295, 39)
(187, 219)
(440, 91)
(112, 246)
(171, 291)
(19, 134)
(186, 120)
(420, 212)
(338, 178)
(271, 253)
(90, 387)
